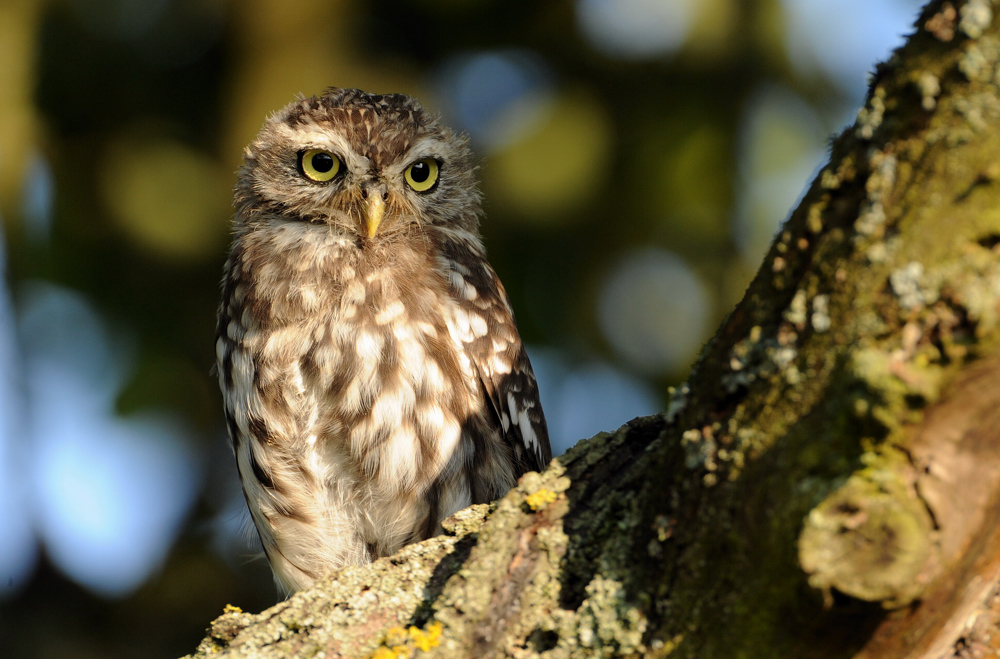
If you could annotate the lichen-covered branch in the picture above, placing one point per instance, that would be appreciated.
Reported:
(825, 484)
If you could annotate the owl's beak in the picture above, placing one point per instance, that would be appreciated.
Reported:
(373, 213)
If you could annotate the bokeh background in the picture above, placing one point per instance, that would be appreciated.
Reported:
(636, 156)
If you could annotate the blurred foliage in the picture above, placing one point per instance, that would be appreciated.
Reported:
(141, 109)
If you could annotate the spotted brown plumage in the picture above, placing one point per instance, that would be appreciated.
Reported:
(373, 376)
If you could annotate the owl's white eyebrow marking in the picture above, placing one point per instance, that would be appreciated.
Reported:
(316, 137)
(426, 147)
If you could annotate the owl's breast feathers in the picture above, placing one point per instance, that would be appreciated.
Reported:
(369, 394)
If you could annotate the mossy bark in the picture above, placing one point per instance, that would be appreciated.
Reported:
(826, 484)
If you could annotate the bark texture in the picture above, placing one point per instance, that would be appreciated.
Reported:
(826, 484)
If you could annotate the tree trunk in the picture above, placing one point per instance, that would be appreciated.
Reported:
(826, 484)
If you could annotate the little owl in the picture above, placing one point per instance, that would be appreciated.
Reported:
(373, 377)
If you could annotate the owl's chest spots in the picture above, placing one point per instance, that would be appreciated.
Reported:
(348, 334)
(358, 351)
(382, 385)
(382, 334)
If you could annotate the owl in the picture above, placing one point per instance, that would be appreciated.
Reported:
(373, 377)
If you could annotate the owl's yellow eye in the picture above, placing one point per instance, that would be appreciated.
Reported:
(422, 175)
(319, 165)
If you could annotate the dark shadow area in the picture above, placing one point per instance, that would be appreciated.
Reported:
(442, 572)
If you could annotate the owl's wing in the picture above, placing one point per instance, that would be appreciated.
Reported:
(514, 399)
(486, 325)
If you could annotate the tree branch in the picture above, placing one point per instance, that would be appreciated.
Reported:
(825, 484)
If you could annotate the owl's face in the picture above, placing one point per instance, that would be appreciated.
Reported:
(372, 166)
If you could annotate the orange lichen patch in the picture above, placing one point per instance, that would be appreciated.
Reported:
(426, 639)
(540, 499)
(402, 643)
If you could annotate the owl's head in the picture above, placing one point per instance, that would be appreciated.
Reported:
(369, 164)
